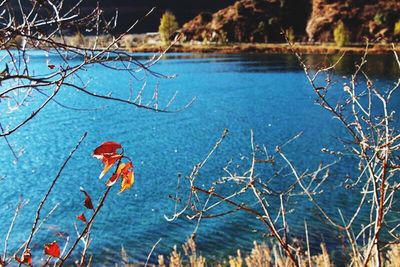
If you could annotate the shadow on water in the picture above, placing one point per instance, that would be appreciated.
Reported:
(378, 66)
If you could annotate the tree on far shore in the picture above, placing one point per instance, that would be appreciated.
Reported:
(341, 34)
(168, 26)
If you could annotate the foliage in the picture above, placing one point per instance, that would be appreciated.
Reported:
(168, 26)
(26, 258)
(397, 28)
(52, 249)
(380, 18)
(290, 35)
(107, 153)
(341, 34)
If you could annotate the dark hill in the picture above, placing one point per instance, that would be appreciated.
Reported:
(313, 20)
(131, 10)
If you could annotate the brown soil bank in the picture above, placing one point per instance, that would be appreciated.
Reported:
(269, 48)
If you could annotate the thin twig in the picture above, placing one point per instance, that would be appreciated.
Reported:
(151, 252)
(38, 211)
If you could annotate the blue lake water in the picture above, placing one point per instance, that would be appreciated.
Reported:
(266, 93)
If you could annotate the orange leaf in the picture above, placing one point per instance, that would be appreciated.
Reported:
(125, 170)
(26, 258)
(52, 249)
(116, 175)
(106, 148)
(88, 201)
(82, 218)
(128, 177)
(108, 163)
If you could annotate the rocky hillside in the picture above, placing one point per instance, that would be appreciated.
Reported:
(307, 20)
(372, 19)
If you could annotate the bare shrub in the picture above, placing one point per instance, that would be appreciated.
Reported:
(371, 141)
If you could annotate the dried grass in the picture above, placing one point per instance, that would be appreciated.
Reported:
(261, 255)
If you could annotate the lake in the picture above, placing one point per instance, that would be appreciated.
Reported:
(266, 93)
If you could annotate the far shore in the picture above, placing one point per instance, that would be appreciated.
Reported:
(268, 48)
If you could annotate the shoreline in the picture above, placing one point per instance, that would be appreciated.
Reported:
(374, 49)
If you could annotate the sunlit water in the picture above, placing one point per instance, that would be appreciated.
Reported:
(268, 94)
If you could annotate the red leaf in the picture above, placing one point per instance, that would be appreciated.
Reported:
(82, 218)
(109, 148)
(107, 153)
(52, 249)
(88, 201)
(26, 258)
(51, 66)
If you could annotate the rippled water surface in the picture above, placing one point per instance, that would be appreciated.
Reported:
(266, 93)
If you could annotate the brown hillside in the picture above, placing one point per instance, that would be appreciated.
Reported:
(245, 21)
(372, 19)
(313, 20)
